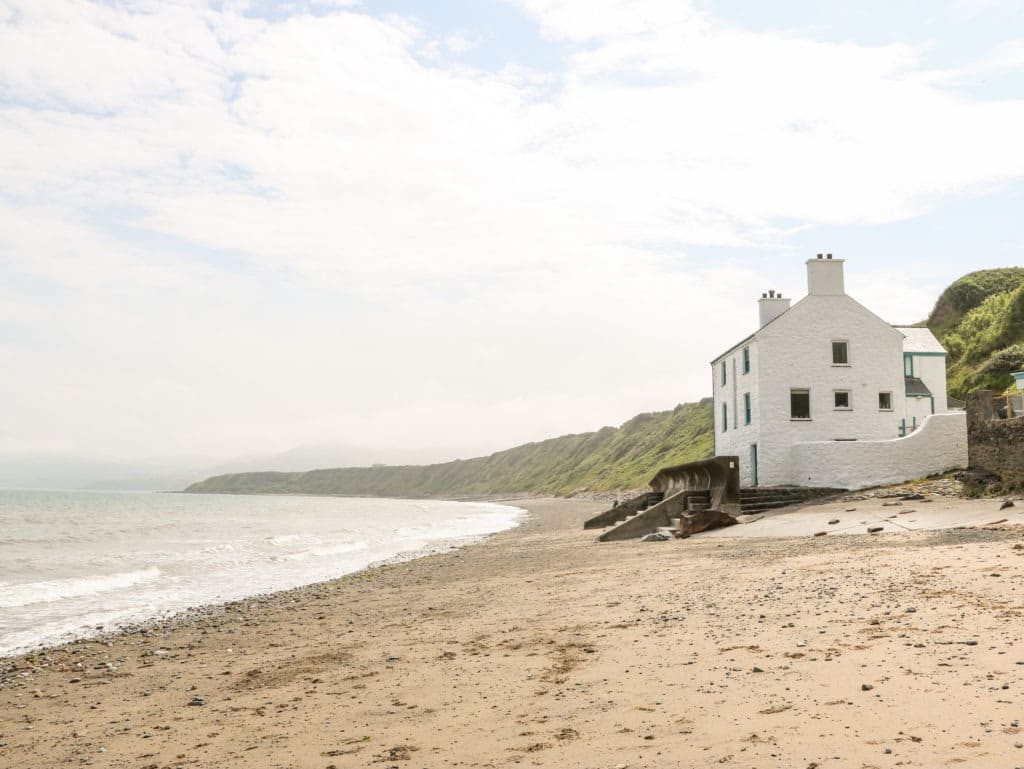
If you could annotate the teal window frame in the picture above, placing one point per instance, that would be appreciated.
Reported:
(724, 375)
(746, 408)
(908, 364)
(725, 418)
(746, 360)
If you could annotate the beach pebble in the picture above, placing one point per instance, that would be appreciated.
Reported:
(866, 687)
(196, 701)
(833, 522)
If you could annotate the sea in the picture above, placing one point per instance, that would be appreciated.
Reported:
(76, 564)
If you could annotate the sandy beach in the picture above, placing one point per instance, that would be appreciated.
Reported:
(541, 647)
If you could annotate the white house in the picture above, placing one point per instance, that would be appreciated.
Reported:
(826, 393)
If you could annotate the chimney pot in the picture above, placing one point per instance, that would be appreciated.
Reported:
(829, 256)
(820, 255)
(764, 295)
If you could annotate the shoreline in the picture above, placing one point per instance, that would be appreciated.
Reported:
(173, 618)
(541, 647)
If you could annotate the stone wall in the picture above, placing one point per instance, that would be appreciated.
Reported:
(938, 445)
(994, 445)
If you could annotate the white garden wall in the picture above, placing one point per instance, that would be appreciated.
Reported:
(939, 444)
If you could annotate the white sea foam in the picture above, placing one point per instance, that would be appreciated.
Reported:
(13, 596)
(73, 561)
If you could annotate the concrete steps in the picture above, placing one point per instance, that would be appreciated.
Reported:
(766, 499)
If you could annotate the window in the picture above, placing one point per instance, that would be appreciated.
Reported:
(799, 404)
(746, 360)
(885, 401)
(723, 372)
(908, 365)
(746, 408)
(840, 354)
(842, 400)
(725, 418)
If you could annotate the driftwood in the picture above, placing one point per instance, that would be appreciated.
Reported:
(704, 520)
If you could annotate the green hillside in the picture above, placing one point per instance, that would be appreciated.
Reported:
(980, 321)
(611, 458)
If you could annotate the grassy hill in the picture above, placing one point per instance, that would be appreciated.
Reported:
(980, 321)
(611, 458)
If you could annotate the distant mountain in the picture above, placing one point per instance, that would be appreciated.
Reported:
(40, 470)
(611, 458)
(980, 321)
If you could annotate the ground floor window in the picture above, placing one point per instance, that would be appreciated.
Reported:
(842, 400)
(799, 404)
(885, 401)
(725, 417)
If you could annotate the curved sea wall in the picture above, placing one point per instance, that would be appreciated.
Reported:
(938, 445)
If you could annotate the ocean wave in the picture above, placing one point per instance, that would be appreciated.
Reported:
(320, 552)
(29, 593)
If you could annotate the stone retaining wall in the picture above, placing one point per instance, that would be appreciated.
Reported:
(994, 445)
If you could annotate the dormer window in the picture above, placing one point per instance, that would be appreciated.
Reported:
(840, 353)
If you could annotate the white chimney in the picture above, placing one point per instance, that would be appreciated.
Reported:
(770, 306)
(825, 276)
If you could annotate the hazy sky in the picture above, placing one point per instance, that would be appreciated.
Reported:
(232, 226)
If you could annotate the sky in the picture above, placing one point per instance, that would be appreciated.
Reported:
(453, 226)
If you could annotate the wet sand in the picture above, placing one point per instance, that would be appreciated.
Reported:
(541, 647)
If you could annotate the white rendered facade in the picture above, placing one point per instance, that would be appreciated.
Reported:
(825, 369)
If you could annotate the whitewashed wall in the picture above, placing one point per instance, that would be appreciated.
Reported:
(738, 438)
(938, 445)
(795, 351)
(918, 409)
(931, 369)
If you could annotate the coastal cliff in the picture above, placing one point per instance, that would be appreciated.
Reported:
(611, 458)
(980, 321)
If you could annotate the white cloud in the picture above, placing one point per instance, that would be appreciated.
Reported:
(258, 233)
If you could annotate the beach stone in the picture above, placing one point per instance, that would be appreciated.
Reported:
(656, 536)
(866, 687)
(875, 529)
(833, 522)
(196, 701)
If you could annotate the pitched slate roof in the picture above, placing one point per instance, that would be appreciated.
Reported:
(919, 339)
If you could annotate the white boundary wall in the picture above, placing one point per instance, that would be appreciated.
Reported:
(939, 444)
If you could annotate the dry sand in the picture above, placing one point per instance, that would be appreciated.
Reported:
(541, 647)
